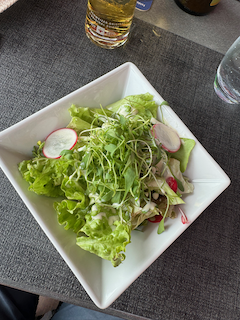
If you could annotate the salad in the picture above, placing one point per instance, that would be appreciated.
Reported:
(112, 170)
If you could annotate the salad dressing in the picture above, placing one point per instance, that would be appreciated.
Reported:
(99, 216)
(149, 206)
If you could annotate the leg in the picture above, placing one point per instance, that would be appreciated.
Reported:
(16, 304)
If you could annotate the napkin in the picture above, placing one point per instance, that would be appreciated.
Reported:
(4, 4)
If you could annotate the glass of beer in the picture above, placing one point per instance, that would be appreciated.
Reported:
(108, 22)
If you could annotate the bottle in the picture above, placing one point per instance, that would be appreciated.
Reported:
(197, 7)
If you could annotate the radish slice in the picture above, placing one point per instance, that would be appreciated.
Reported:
(172, 183)
(184, 218)
(167, 137)
(59, 140)
(156, 218)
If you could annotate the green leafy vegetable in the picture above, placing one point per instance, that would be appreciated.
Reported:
(184, 152)
(105, 236)
(108, 179)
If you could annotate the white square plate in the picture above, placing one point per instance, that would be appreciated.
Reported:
(101, 280)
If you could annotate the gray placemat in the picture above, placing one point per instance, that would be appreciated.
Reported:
(44, 55)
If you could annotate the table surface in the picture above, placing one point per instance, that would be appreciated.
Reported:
(44, 55)
(216, 31)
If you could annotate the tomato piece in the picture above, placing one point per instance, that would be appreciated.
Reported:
(155, 219)
(172, 184)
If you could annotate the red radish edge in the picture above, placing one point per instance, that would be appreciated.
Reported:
(155, 219)
(56, 142)
(172, 183)
(184, 218)
(167, 137)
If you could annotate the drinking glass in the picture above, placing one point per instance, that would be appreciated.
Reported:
(108, 22)
(227, 80)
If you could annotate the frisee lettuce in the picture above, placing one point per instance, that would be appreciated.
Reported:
(107, 180)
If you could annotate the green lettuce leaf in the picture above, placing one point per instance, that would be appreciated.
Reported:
(105, 235)
(85, 118)
(70, 214)
(143, 103)
(184, 152)
(75, 190)
(174, 166)
(45, 175)
(160, 185)
(138, 216)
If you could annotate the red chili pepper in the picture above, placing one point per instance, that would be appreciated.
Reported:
(172, 183)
